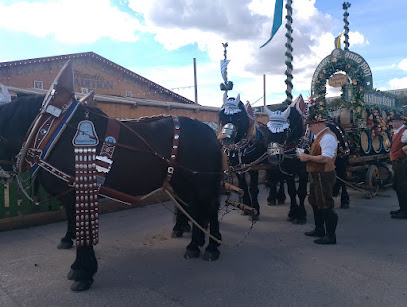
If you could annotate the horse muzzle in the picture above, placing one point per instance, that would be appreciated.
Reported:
(228, 133)
(275, 153)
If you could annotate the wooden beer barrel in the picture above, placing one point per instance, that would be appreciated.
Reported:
(365, 142)
(364, 114)
(377, 143)
(384, 115)
(386, 140)
(344, 117)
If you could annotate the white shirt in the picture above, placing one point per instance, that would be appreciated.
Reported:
(328, 144)
(404, 136)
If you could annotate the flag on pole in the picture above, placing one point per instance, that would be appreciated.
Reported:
(277, 20)
(223, 67)
(338, 41)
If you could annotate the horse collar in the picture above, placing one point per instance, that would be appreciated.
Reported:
(174, 152)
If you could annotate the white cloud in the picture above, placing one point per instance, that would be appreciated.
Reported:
(70, 21)
(245, 25)
(403, 65)
(397, 83)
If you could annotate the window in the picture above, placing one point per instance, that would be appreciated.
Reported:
(38, 84)
(129, 94)
(86, 90)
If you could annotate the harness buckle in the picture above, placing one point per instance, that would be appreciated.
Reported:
(170, 170)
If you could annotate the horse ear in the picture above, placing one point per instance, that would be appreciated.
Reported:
(4, 95)
(268, 112)
(88, 99)
(237, 99)
(286, 112)
(225, 98)
(63, 83)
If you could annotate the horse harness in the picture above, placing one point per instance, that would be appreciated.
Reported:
(90, 168)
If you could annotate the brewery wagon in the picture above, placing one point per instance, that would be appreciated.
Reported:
(370, 137)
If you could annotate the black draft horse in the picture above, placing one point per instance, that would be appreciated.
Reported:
(243, 144)
(281, 147)
(282, 135)
(196, 177)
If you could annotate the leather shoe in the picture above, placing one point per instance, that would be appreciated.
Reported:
(328, 239)
(315, 233)
(395, 211)
(399, 215)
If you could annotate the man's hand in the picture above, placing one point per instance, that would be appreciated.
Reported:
(303, 157)
(318, 159)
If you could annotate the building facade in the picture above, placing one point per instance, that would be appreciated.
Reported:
(92, 72)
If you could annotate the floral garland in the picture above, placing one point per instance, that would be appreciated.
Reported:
(374, 125)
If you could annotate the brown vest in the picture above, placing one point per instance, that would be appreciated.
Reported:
(396, 151)
(313, 167)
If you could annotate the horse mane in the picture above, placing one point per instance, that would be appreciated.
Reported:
(295, 121)
(27, 105)
(146, 119)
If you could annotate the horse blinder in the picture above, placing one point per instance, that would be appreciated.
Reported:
(275, 153)
(229, 130)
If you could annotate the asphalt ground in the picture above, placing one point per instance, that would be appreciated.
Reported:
(276, 265)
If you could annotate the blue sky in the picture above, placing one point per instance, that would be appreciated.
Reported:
(158, 39)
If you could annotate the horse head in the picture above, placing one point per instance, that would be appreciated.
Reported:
(18, 116)
(234, 121)
(282, 133)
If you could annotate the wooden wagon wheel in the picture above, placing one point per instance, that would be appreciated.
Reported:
(372, 181)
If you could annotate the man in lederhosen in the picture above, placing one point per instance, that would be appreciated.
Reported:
(321, 169)
(398, 157)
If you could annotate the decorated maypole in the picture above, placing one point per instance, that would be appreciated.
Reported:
(288, 53)
(277, 21)
(227, 85)
(345, 6)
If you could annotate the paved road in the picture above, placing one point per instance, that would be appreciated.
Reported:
(140, 265)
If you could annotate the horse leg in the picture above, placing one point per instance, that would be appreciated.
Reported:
(246, 196)
(254, 192)
(197, 239)
(181, 224)
(272, 187)
(281, 190)
(83, 268)
(341, 173)
(212, 252)
(302, 194)
(67, 241)
(292, 192)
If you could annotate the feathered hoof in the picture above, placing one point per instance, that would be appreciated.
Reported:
(300, 221)
(73, 274)
(290, 219)
(177, 234)
(65, 244)
(78, 286)
(272, 202)
(211, 256)
(191, 254)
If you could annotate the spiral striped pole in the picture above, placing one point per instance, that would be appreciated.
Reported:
(345, 6)
(288, 53)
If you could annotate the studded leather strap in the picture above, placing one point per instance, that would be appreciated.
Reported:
(174, 151)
